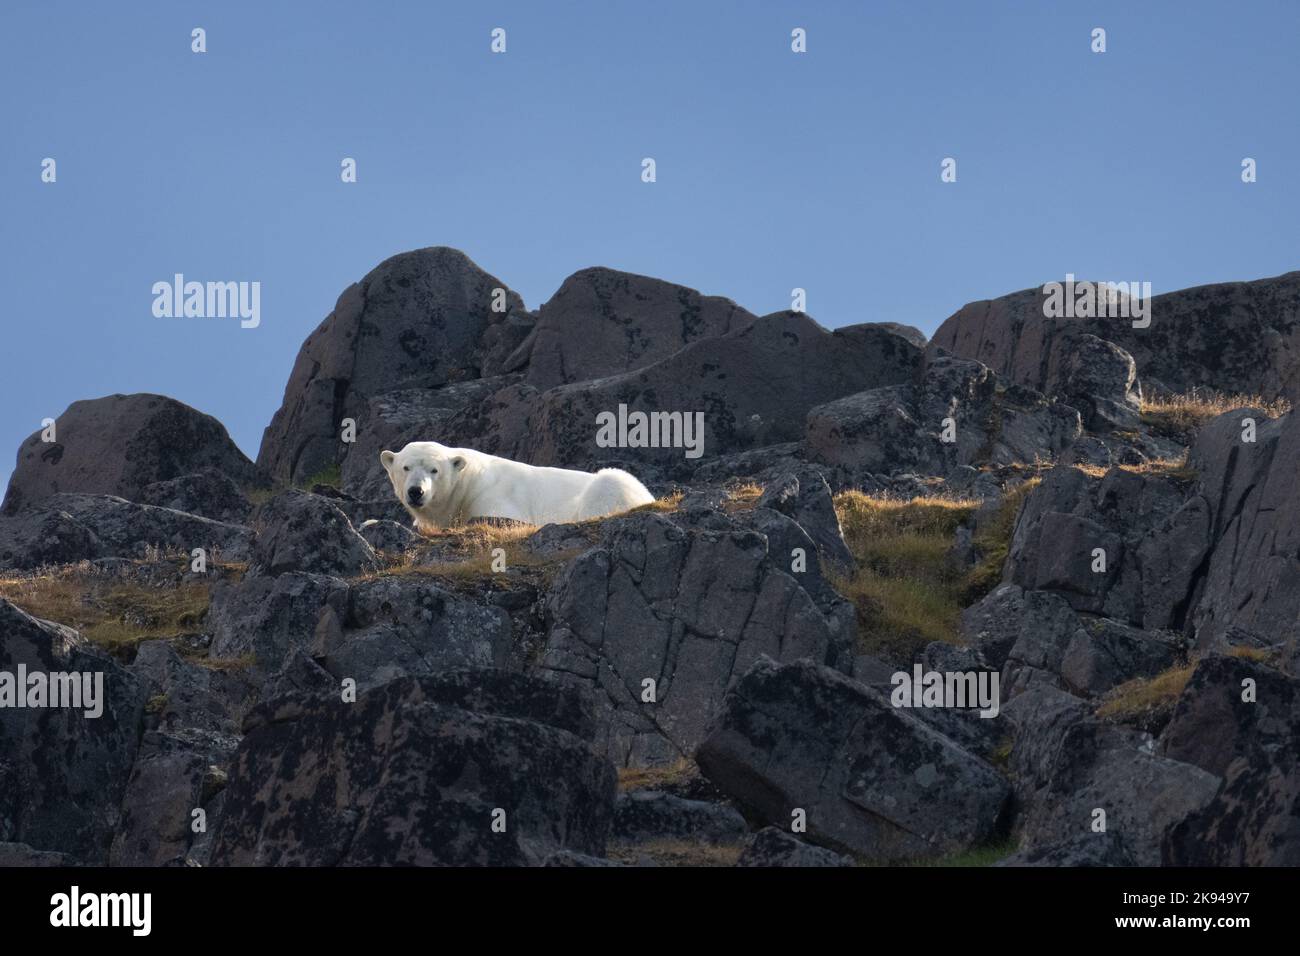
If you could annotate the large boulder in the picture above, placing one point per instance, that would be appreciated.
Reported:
(1241, 720)
(78, 527)
(602, 322)
(1250, 593)
(299, 531)
(120, 445)
(753, 386)
(871, 779)
(417, 772)
(905, 427)
(262, 620)
(1076, 775)
(422, 319)
(662, 619)
(63, 770)
(408, 626)
(1234, 336)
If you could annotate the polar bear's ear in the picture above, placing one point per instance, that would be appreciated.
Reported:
(458, 463)
(386, 459)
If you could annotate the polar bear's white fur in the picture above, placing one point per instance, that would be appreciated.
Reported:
(442, 487)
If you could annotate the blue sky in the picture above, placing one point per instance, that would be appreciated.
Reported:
(775, 170)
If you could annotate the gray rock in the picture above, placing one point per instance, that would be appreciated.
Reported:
(407, 626)
(63, 774)
(687, 609)
(1086, 849)
(754, 387)
(76, 527)
(602, 322)
(1235, 337)
(411, 774)
(20, 854)
(303, 532)
(872, 779)
(266, 618)
(1099, 767)
(1252, 821)
(652, 815)
(384, 535)
(771, 846)
(210, 494)
(1100, 379)
(120, 445)
(805, 497)
(901, 428)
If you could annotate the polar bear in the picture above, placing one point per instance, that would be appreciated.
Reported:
(442, 486)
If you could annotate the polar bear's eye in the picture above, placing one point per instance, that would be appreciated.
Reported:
(406, 468)
(433, 471)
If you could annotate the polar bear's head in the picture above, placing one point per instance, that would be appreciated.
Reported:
(424, 474)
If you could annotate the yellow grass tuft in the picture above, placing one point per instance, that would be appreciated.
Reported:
(1143, 695)
(1179, 416)
(108, 611)
(655, 778)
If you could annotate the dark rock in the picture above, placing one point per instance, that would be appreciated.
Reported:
(1098, 767)
(265, 618)
(601, 322)
(210, 494)
(1235, 337)
(872, 779)
(384, 535)
(120, 445)
(298, 531)
(407, 626)
(651, 815)
(1086, 849)
(901, 428)
(404, 777)
(774, 847)
(63, 774)
(687, 609)
(805, 497)
(38, 538)
(1253, 820)
(753, 386)
(1100, 379)
(76, 527)
(20, 854)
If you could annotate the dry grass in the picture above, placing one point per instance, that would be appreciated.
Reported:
(993, 542)
(1143, 697)
(742, 497)
(1175, 469)
(108, 611)
(655, 778)
(1260, 655)
(668, 503)
(677, 853)
(907, 590)
(1179, 416)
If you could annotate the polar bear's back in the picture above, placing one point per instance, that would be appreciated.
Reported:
(612, 490)
(546, 495)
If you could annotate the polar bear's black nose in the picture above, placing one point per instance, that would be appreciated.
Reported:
(415, 495)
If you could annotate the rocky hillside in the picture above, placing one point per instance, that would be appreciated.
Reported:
(291, 675)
